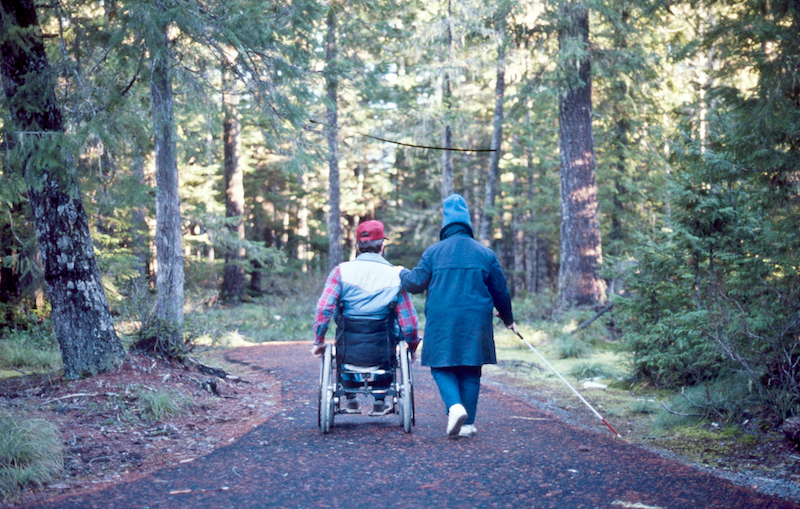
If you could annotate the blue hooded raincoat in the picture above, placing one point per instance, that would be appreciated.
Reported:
(464, 284)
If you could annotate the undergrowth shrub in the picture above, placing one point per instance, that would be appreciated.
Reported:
(162, 404)
(718, 315)
(643, 406)
(34, 348)
(568, 347)
(31, 453)
(533, 307)
(283, 312)
(586, 370)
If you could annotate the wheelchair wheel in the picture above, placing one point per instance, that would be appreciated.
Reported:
(406, 389)
(325, 405)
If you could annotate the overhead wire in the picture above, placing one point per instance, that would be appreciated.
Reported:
(401, 143)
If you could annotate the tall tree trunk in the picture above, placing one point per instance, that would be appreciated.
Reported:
(531, 241)
(303, 248)
(359, 173)
(518, 232)
(233, 280)
(621, 141)
(139, 228)
(332, 86)
(497, 140)
(581, 253)
(170, 276)
(81, 318)
(447, 100)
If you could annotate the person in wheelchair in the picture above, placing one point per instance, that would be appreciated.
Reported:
(362, 296)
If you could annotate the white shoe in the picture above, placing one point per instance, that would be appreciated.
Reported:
(467, 430)
(455, 418)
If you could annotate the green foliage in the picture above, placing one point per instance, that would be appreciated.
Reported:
(31, 453)
(568, 347)
(724, 400)
(24, 355)
(161, 404)
(533, 307)
(156, 337)
(713, 298)
(138, 306)
(284, 312)
(34, 347)
(586, 370)
(644, 406)
(150, 334)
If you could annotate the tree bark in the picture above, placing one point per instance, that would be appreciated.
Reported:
(303, 247)
(518, 233)
(621, 142)
(139, 229)
(170, 276)
(497, 140)
(81, 318)
(359, 194)
(332, 86)
(447, 133)
(233, 281)
(581, 251)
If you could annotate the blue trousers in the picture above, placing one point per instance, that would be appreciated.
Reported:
(459, 384)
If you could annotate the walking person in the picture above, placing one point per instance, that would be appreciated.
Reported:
(464, 284)
(366, 289)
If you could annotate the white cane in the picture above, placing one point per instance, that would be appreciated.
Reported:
(568, 384)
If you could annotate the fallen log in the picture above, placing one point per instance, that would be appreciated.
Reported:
(588, 322)
(191, 362)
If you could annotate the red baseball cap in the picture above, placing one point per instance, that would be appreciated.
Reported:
(370, 230)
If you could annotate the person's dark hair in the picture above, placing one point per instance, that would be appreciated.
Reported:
(370, 246)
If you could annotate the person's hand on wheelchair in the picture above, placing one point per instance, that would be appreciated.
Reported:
(318, 350)
(414, 353)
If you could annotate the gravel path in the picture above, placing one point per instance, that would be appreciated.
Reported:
(522, 456)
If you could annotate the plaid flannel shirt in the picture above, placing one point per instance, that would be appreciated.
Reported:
(326, 306)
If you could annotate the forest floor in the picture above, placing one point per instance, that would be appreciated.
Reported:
(755, 454)
(108, 421)
(111, 436)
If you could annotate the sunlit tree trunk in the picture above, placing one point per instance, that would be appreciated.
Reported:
(80, 314)
(579, 283)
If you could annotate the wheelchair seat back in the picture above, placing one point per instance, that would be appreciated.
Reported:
(362, 342)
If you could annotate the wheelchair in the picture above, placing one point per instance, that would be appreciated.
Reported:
(370, 361)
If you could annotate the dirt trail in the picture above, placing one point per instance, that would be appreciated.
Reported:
(521, 457)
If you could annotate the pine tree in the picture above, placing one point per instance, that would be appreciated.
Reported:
(170, 278)
(579, 282)
(332, 117)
